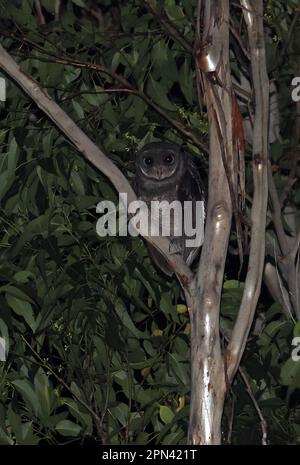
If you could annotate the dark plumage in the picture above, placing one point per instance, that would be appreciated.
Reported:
(165, 172)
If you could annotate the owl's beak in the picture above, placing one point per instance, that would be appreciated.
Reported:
(159, 172)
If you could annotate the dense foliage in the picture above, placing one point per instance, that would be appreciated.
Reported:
(97, 339)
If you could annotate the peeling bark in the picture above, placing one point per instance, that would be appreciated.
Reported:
(208, 370)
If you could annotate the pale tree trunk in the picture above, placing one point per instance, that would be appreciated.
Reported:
(208, 371)
(212, 371)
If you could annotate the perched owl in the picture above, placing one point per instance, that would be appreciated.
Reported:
(164, 172)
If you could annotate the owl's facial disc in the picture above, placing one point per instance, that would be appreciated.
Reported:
(159, 166)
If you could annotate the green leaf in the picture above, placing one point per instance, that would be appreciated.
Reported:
(43, 394)
(5, 439)
(79, 3)
(8, 175)
(78, 110)
(181, 308)
(15, 423)
(126, 320)
(23, 276)
(23, 309)
(158, 93)
(84, 418)
(290, 373)
(186, 81)
(297, 329)
(24, 387)
(120, 412)
(174, 12)
(16, 292)
(166, 414)
(68, 428)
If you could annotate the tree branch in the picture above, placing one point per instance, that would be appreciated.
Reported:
(39, 12)
(91, 152)
(288, 247)
(263, 423)
(125, 84)
(172, 30)
(253, 16)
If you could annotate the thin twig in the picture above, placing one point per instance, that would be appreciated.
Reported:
(173, 31)
(263, 423)
(127, 85)
(61, 381)
(57, 6)
(39, 12)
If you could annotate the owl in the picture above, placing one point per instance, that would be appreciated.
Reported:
(165, 172)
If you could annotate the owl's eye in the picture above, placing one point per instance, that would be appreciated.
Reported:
(148, 161)
(169, 159)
